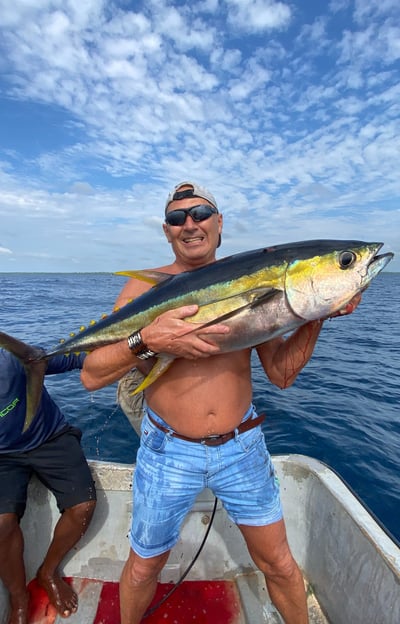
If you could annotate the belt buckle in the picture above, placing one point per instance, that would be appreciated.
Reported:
(216, 440)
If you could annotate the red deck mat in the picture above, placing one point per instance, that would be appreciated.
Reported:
(200, 602)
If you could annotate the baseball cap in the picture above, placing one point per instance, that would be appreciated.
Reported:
(195, 191)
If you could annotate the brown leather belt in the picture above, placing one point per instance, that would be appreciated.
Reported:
(214, 440)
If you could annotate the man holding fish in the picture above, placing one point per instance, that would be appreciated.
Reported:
(200, 428)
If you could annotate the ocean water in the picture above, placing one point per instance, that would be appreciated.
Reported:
(343, 409)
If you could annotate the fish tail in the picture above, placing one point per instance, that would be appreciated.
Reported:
(35, 364)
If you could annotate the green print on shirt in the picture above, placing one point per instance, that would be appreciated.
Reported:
(8, 408)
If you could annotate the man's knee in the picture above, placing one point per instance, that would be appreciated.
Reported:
(82, 512)
(282, 566)
(8, 525)
(139, 571)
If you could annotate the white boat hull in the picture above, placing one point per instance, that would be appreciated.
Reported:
(350, 564)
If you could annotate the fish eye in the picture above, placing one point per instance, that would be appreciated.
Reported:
(346, 259)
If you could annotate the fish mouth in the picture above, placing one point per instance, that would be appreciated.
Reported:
(382, 259)
(378, 263)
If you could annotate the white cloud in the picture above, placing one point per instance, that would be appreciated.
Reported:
(258, 15)
(295, 126)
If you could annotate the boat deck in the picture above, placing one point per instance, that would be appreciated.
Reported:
(352, 568)
(243, 600)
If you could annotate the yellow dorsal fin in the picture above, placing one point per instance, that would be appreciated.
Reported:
(152, 277)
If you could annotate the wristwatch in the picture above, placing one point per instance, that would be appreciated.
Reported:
(138, 347)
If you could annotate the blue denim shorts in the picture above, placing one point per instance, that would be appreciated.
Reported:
(170, 473)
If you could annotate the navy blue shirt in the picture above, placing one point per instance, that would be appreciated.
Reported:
(48, 419)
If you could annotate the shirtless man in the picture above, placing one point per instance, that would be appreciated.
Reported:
(203, 393)
(51, 449)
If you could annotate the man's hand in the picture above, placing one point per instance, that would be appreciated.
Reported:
(170, 333)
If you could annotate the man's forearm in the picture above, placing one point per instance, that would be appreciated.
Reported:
(283, 359)
(107, 364)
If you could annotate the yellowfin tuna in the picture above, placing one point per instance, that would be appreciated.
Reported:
(259, 294)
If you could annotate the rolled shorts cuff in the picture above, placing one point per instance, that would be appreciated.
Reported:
(148, 552)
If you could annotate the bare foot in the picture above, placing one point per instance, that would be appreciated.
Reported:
(61, 595)
(19, 610)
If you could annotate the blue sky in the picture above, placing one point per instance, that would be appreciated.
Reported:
(288, 111)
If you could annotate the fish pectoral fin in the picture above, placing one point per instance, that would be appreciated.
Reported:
(162, 364)
(152, 277)
(254, 298)
(262, 297)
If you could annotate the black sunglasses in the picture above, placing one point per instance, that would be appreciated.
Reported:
(198, 213)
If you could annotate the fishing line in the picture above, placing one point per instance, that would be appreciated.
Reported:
(190, 566)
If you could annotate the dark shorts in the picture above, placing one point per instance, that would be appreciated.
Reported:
(59, 464)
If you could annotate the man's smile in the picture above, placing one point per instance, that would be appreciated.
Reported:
(193, 239)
